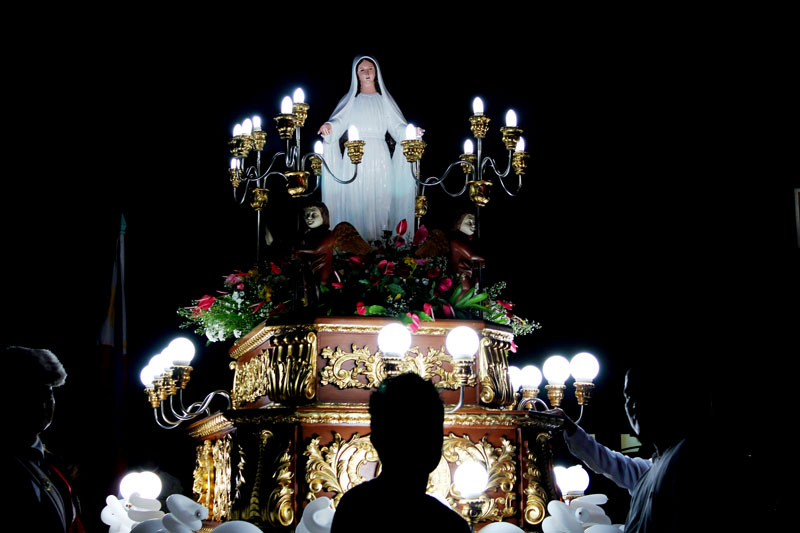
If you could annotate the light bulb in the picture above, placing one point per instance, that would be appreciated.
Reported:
(462, 342)
(561, 476)
(237, 130)
(247, 127)
(520, 145)
(352, 133)
(584, 367)
(511, 119)
(160, 363)
(146, 484)
(471, 479)
(286, 106)
(318, 148)
(181, 350)
(256, 123)
(578, 478)
(469, 147)
(147, 376)
(411, 132)
(299, 97)
(477, 106)
(234, 163)
(394, 339)
(556, 370)
(531, 377)
(515, 376)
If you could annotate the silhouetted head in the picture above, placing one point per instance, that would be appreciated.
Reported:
(407, 419)
(36, 373)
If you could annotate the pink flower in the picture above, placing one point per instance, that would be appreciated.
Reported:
(205, 302)
(240, 286)
(275, 268)
(420, 236)
(401, 228)
(414, 325)
(356, 260)
(257, 307)
(507, 305)
(434, 273)
(445, 284)
(513, 348)
(232, 279)
(386, 267)
(337, 285)
(448, 311)
(428, 308)
(361, 308)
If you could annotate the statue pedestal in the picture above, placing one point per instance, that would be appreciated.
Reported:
(300, 426)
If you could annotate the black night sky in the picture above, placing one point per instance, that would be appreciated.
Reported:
(651, 209)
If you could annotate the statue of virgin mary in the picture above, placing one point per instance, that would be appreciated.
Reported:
(383, 192)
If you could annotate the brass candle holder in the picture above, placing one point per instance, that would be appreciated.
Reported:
(479, 124)
(583, 392)
(300, 111)
(235, 175)
(527, 397)
(518, 161)
(286, 124)
(183, 374)
(241, 145)
(510, 136)
(413, 149)
(468, 158)
(152, 396)
(420, 206)
(259, 139)
(392, 364)
(555, 393)
(297, 183)
(316, 165)
(260, 198)
(355, 151)
(479, 192)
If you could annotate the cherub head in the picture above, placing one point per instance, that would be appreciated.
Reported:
(465, 224)
(316, 215)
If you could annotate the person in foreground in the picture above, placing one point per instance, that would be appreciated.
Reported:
(407, 419)
(40, 497)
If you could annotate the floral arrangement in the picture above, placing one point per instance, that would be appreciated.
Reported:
(391, 282)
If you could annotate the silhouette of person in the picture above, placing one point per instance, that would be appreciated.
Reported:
(40, 496)
(407, 419)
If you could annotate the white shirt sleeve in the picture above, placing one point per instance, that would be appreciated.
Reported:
(623, 470)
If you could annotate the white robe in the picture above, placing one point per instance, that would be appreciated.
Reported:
(383, 192)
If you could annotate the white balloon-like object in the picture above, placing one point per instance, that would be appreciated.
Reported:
(583, 514)
(317, 517)
(122, 516)
(561, 519)
(502, 527)
(153, 525)
(187, 511)
(237, 526)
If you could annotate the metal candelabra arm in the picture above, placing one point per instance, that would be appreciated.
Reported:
(433, 181)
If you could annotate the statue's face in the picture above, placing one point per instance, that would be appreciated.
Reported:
(467, 226)
(312, 216)
(365, 71)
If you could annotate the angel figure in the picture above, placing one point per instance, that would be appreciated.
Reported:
(464, 263)
(318, 242)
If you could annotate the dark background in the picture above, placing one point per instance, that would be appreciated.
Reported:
(654, 207)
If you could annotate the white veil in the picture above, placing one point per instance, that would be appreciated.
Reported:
(347, 100)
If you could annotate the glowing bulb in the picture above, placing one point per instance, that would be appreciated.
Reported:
(556, 370)
(477, 106)
(247, 127)
(469, 148)
(147, 376)
(286, 106)
(234, 163)
(318, 147)
(146, 484)
(531, 377)
(411, 132)
(237, 130)
(511, 119)
(584, 367)
(160, 363)
(471, 479)
(394, 339)
(462, 342)
(352, 133)
(256, 123)
(520, 145)
(181, 350)
(515, 376)
(299, 97)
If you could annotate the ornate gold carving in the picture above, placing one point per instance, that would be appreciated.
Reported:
(279, 505)
(337, 467)
(285, 372)
(213, 424)
(493, 373)
(536, 497)
(212, 477)
(500, 464)
(345, 368)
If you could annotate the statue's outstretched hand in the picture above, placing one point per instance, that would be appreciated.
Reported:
(325, 129)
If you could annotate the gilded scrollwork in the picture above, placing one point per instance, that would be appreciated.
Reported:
(338, 466)
(493, 373)
(212, 477)
(279, 505)
(500, 465)
(285, 372)
(361, 369)
(536, 497)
